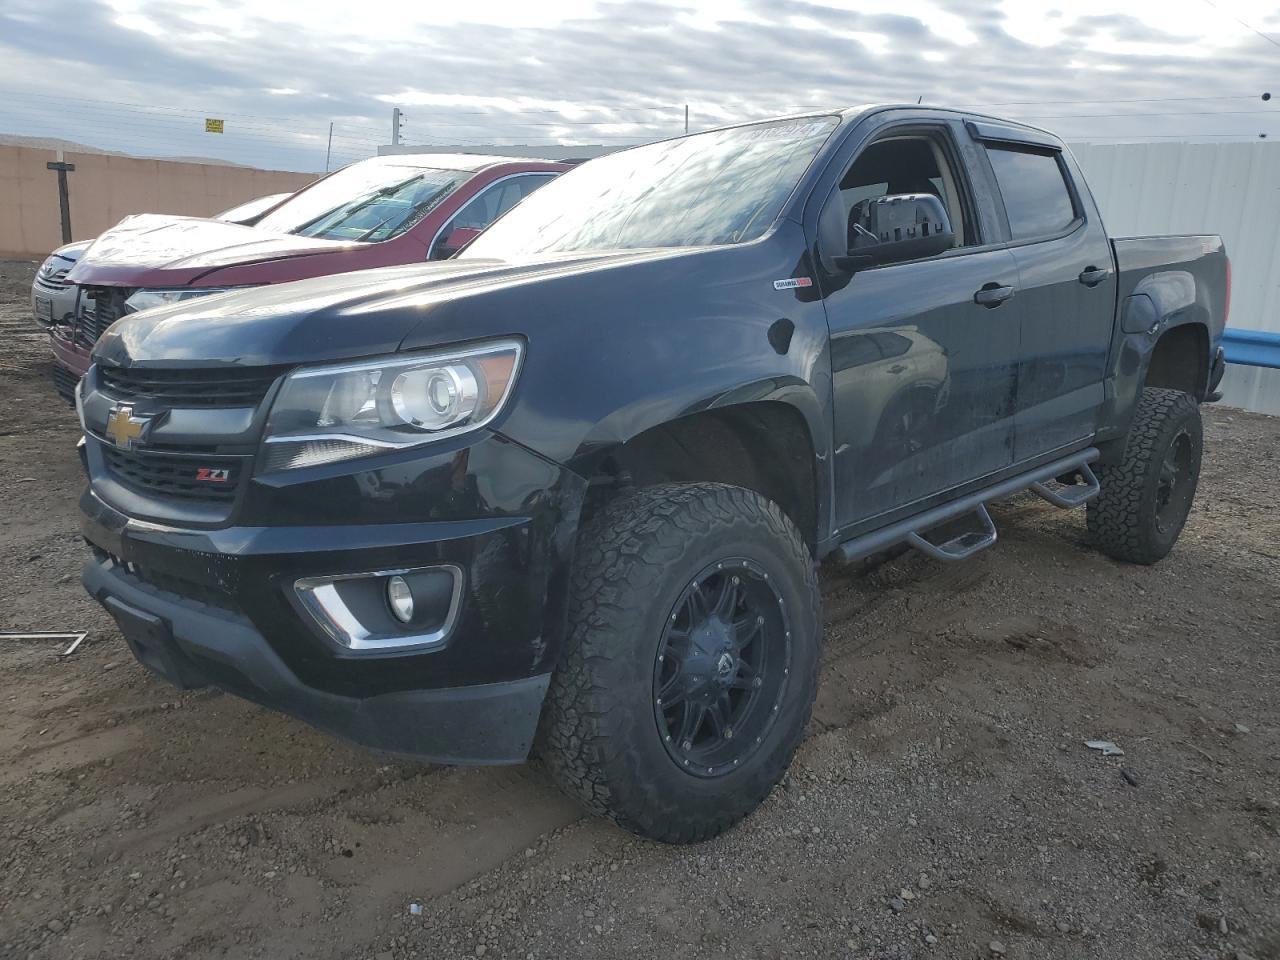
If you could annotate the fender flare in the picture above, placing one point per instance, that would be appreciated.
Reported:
(625, 424)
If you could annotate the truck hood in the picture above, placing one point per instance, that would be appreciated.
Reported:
(342, 317)
(164, 251)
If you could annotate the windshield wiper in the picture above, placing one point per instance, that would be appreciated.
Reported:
(414, 209)
(360, 205)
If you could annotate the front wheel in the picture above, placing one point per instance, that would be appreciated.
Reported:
(691, 660)
(1146, 497)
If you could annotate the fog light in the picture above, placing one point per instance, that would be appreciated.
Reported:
(385, 611)
(400, 598)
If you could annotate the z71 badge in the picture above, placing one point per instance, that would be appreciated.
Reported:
(213, 474)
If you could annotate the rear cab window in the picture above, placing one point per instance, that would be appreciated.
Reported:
(1037, 197)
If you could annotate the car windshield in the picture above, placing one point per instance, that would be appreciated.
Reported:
(366, 202)
(724, 186)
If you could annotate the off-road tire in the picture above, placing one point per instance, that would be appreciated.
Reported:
(598, 733)
(1122, 519)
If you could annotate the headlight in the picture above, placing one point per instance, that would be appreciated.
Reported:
(337, 412)
(142, 299)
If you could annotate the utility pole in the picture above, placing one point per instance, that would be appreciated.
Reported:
(686, 118)
(328, 151)
(64, 197)
(395, 126)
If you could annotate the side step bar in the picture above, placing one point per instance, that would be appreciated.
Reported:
(911, 530)
(1071, 497)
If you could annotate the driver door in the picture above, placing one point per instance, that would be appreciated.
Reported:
(924, 379)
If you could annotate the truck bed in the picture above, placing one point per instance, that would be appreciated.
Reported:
(1180, 273)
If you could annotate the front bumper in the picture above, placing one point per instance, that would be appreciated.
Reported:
(194, 647)
(59, 298)
(70, 362)
(219, 605)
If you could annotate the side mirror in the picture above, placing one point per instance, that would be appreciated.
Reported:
(453, 241)
(904, 226)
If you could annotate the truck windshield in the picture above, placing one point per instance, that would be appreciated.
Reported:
(367, 202)
(720, 187)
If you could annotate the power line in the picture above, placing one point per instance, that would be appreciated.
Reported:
(1248, 26)
(1190, 137)
(1100, 102)
(152, 107)
(1176, 113)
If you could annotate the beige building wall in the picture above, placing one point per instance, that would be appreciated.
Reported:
(104, 189)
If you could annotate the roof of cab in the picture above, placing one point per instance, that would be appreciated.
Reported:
(452, 161)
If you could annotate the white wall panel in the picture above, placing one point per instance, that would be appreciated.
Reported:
(1232, 189)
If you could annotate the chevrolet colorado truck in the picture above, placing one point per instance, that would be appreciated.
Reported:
(566, 492)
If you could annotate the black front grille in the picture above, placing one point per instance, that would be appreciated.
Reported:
(98, 308)
(178, 587)
(182, 587)
(197, 387)
(210, 479)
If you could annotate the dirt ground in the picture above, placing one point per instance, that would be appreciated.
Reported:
(943, 805)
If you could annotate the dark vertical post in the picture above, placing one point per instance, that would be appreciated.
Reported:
(329, 149)
(64, 197)
(686, 118)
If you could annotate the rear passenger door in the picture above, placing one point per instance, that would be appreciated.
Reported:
(1066, 295)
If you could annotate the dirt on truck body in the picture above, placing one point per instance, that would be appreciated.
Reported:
(942, 804)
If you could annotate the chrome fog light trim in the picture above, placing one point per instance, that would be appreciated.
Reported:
(321, 599)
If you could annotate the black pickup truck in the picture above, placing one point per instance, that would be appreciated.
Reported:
(567, 491)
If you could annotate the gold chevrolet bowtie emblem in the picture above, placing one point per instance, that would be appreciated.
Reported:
(124, 428)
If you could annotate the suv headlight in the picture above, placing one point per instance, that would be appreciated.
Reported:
(336, 412)
(143, 299)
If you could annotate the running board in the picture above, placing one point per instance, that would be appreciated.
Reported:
(1071, 496)
(911, 530)
(962, 547)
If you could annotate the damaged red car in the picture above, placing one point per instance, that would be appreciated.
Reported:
(381, 212)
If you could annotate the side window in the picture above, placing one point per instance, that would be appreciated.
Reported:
(1035, 192)
(905, 164)
(489, 205)
(497, 200)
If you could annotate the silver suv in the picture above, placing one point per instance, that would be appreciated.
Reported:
(53, 300)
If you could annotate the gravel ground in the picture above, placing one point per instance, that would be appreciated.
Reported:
(943, 805)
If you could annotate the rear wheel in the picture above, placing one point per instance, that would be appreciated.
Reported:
(691, 660)
(1146, 497)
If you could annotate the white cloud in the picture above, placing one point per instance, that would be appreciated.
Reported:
(613, 70)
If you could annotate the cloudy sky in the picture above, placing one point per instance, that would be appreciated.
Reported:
(141, 75)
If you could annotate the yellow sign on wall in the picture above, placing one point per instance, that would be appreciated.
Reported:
(212, 126)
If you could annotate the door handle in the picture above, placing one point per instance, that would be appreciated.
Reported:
(1092, 276)
(897, 368)
(992, 294)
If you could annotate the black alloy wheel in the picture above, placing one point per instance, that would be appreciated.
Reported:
(722, 666)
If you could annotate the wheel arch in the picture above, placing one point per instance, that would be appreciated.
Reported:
(1180, 360)
(1162, 340)
(761, 441)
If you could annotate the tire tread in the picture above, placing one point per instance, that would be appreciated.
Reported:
(622, 554)
(1120, 518)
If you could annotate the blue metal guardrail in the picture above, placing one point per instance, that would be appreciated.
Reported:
(1253, 348)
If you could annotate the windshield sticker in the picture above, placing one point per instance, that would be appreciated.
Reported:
(792, 283)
